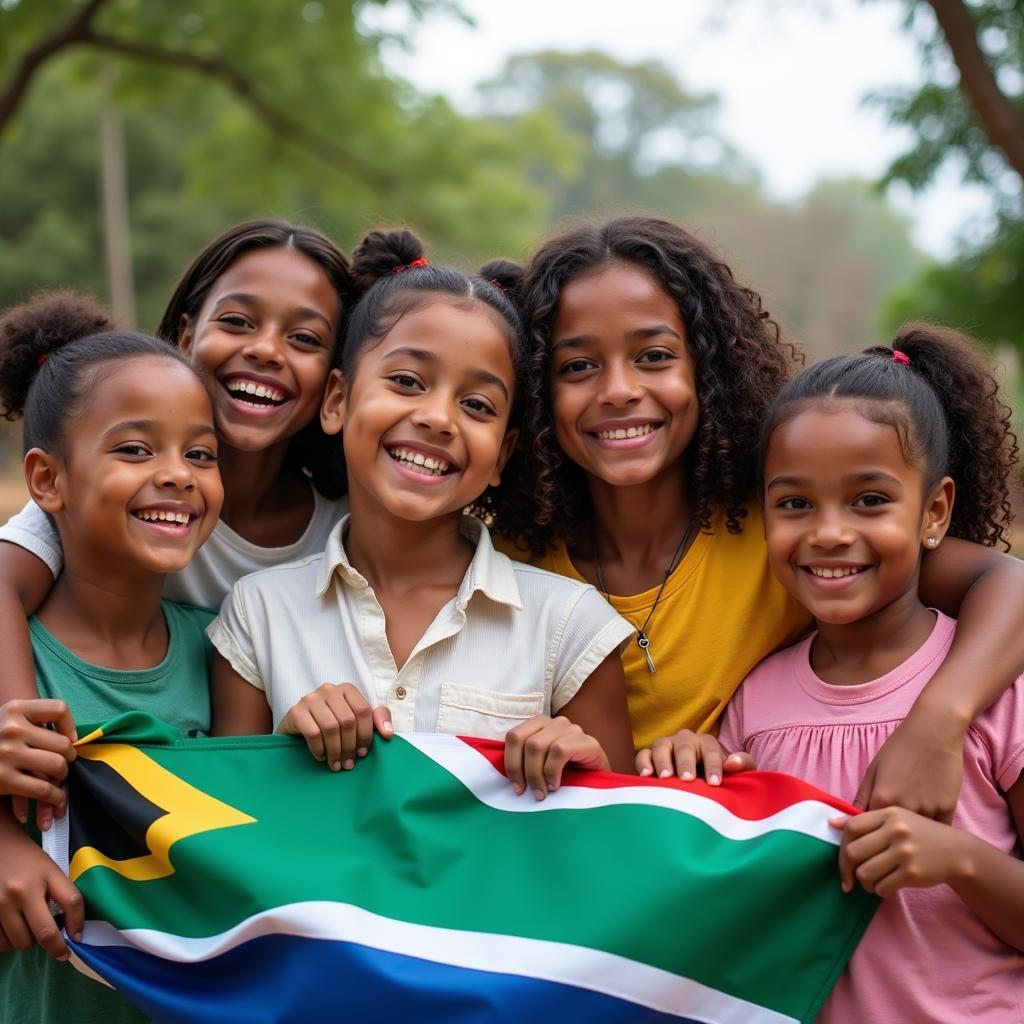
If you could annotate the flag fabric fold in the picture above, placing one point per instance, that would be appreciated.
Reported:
(236, 879)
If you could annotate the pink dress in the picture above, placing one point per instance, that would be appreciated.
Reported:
(925, 957)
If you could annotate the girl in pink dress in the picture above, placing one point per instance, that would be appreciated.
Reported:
(868, 461)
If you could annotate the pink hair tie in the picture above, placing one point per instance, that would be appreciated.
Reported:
(900, 357)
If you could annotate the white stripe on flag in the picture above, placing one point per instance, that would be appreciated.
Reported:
(563, 963)
(489, 786)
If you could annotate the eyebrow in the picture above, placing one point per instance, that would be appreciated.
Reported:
(640, 334)
(870, 477)
(194, 430)
(426, 356)
(254, 300)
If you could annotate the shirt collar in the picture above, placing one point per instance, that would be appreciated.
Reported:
(490, 571)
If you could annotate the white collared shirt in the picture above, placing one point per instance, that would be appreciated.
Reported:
(514, 642)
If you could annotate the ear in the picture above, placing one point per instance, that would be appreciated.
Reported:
(938, 508)
(334, 405)
(185, 335)
(508, 446)
(44, 478)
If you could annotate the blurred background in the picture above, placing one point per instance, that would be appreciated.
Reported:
(858, 162)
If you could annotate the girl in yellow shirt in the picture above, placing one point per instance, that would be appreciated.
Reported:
(651, 371)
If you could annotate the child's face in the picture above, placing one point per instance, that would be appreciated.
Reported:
(144, 449)
(425, 421)
(846, 517)
(622, 377)
(263, 342)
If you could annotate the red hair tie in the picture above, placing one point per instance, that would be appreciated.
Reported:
(900, 357)
(43, 358)
(418, 262)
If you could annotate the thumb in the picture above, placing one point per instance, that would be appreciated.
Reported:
(867, 785)
(739, 762)
(382, 722)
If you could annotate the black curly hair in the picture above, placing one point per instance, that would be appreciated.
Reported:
(946, 409)
(740, 362)
(310, 451)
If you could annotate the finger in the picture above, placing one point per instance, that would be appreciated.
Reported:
(52, 712)
(739, 762)
(44, 929)
(382, 722)
(644, 762)
(871, 871)
(663, 759)
(330, 726)
(37, 737)
(34, 788)
(364, 724)
(44, 817)
(15, 927)
(711, 754)
(40, 762)
(515, 741)
(19, 807)
(300, 722)
(341, 737)
(69, 899)
(855, 847)
(685, 752)
(535, 753)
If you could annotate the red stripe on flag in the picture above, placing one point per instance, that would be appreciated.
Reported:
(752, 796)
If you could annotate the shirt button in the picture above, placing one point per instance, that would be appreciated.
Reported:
(400, 693)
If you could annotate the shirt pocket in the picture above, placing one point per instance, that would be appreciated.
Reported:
(467, 711)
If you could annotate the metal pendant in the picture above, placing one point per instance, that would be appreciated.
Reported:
(645, 645)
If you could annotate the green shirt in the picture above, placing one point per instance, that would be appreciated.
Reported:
(35, 988)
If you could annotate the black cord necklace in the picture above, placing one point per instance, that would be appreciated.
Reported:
(643, 640)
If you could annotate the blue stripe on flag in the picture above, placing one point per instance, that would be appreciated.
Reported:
(283, 979)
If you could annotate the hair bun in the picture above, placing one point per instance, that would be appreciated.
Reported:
(381, 252)
(31, 332)
(506, 274)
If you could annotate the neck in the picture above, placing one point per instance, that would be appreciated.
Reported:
(91, 611)
(254, 482)
(858, 652)
(643, 523)
(395, 554)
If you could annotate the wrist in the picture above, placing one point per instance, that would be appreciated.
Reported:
(965, 853)
(943, 718)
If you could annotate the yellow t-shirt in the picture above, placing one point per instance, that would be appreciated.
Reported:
(721, 612)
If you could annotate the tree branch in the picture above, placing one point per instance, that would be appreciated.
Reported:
(72, 32)
(999, 118)
(321, 146)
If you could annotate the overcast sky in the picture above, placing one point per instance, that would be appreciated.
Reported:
(791, 75)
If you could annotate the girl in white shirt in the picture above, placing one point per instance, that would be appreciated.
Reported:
(410, 611)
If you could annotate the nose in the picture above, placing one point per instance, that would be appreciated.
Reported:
(831, 530)
(264, 347)
(620, 386)
(436, 412)
(175, 473)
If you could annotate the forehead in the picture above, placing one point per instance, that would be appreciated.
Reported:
(280, 276)
(461, 336)
(615, 294)
(834, 440)
(145, 387)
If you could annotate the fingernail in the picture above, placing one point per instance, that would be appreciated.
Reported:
(64, 957)
(646, 771)
(664, 773)
(335, 766)
(387, 727)
(362, 751)
(539, 794)
(518, 788)
(686, 776)
(844, 886)
(349, 764)
(713, 779)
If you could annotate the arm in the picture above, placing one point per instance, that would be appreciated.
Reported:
(889, 849)
(238, 707)
(921, 765)
(24, 583)
(599, 709)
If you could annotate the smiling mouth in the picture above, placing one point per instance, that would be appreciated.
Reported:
(161, 517)
(623, 433)
(259, 396)
(835, 572)
(420, 463)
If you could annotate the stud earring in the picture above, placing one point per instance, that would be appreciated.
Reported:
(932, 541)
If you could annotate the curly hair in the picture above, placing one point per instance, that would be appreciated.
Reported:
(740, 362)
(947, 411)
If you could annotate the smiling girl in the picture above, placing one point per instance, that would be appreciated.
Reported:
(258, 315)
(871, 462)
(410, 603)
(120, 451)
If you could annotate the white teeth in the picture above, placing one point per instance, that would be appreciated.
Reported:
(247, 387)
(417, 460)
(830, 574)
(152, 515)
(621, 433)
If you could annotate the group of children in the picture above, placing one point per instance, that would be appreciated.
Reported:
(573, 507)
